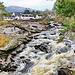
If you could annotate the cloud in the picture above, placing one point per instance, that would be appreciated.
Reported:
(34, 4)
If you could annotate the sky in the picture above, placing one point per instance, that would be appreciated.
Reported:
(33, 4)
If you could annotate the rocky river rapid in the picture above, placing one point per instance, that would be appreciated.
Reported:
(42, 55)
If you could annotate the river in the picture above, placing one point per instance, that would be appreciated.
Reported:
(43, 55)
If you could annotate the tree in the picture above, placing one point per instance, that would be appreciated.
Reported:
(2, 7)
(3, 12)
(65, 7)
(26, 12)
(37, 12)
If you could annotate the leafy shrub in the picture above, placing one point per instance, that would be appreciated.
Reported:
(62, 27)
(63, 31)
(72, 26)
(65, 24)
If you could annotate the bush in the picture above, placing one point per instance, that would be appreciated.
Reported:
(63, 31)
(72, 26)
(65, 24)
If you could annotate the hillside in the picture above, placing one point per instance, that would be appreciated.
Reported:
(15, 9)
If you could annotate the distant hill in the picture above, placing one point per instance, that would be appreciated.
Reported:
(15, 9)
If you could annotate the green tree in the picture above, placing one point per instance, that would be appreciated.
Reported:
(38, 12)
(27, 12)
(65, 7)
(2, 7)
(3, 12)
(33, 12)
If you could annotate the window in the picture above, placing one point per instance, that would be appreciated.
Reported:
(30, 15)
(26, 15)
(22, 15)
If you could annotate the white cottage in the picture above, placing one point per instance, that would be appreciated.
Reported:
(39, 16)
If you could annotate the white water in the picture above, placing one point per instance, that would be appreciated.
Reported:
(42, 65)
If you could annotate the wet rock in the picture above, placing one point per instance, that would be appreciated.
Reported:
(9, 67)
(27, 66)
(14, 53)
(61, 48)
(22, 57)
(12, 60)
(52, 33)
(65, 71)
(43, 47)
(18, 51)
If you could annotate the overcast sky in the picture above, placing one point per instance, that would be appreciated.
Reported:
(34, 4)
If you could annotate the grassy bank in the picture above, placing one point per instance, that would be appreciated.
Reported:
(4, 40)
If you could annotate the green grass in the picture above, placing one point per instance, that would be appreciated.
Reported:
(73, 72)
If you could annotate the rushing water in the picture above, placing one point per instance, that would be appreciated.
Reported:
(43, 56)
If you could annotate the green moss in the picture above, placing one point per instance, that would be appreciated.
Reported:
(12, 46)
(60, 39)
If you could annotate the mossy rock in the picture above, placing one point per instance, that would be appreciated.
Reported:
(12, 46)
(60, 39)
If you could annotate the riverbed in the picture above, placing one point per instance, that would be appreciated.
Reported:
(42, 55)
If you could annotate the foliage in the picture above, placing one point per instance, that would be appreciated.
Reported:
(3, 12)
(45, 14)
(65, 23)
(73, 72)
(63, 31)
(38, 12)
(27, 12)
(3, 40)
(65, 7)
(2, 7)
(1, 29)
(72, 26)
